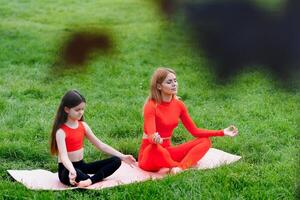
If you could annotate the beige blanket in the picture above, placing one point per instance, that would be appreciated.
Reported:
(40, 179)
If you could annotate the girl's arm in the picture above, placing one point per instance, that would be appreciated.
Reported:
(63, 155)
(105, 147)
(62, 149)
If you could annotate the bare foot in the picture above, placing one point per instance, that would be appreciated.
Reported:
(164, 170)
(175, 170)
(84, 183)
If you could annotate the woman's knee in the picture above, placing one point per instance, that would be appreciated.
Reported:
(208, 142)
(205, 141)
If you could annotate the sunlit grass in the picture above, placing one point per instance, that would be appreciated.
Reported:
(116, 87)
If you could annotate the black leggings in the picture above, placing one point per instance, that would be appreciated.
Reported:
(101, 169)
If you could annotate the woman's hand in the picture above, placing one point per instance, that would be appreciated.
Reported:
(157, 139)
(231, 131)
(129, 159)
(72, 177)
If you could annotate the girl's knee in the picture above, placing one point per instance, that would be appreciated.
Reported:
(81, 176)
(117, 161)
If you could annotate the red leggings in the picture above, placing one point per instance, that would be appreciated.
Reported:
(154, 156)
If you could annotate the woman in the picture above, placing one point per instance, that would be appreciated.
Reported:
(162, 111)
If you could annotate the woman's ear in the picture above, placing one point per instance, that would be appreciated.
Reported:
(158, 86)
(66, 109)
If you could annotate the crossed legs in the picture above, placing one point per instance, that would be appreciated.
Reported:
(101, 169)
(155, 157)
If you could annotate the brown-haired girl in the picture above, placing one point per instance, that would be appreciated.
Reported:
(68, 133)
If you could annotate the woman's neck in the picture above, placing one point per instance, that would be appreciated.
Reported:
(166, 98)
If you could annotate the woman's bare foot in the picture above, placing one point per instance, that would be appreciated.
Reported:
(175, 170)
(84, 183)
(164, 170)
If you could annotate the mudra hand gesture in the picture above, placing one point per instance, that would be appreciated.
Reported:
(157, 139)
(129, 159)
(231, 131)
(72, 177)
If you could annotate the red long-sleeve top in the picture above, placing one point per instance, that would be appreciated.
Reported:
(163, 118)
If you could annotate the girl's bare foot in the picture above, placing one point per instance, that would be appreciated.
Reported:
(164, 170)
(84, 183)
(175, 170)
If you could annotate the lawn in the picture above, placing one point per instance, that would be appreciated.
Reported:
(116, 86)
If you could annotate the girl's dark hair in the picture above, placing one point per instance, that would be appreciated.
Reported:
(71, 99)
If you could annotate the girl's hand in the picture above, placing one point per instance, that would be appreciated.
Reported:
(231, 131)
(72, 177)
(129, 159)
(157, 139)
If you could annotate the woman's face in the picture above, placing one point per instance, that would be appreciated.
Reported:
(169, 85)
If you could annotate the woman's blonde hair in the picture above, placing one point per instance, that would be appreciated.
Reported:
(158, 77)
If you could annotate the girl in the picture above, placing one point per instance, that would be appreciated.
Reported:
(162, 111)
(68, 133)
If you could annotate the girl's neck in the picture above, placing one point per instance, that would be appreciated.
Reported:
(72, 123)
(166, 97)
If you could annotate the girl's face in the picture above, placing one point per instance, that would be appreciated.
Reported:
(76, 112)
(169, 85)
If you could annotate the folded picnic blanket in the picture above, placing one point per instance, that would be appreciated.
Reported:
(40, 179)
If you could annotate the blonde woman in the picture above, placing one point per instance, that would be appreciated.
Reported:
(162, 111)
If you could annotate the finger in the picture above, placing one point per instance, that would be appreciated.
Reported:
(155, 139)
(132, 165)
(231, 128)
(158, 141)
(133, 159)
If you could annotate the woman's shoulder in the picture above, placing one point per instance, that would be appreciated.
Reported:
(150, 103)
(178, 101)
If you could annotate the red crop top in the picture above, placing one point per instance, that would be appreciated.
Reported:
(74, 137)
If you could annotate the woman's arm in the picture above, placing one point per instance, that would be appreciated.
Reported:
(63, 155)
(149, 123)
(105, 147)
(193, 129)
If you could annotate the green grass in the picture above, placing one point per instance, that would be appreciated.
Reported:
(116, 86)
